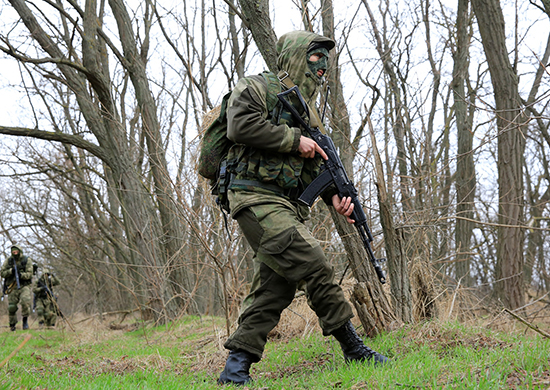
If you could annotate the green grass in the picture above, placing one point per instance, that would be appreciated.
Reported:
(189, 355)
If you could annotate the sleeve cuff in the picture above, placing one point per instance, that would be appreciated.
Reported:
(296, 143)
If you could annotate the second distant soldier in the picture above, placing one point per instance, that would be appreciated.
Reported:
(46, 302)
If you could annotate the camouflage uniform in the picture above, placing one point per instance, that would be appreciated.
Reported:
(20, 295)
(46, 304)
(268, 178)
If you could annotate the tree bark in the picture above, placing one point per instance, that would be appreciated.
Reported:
(258, 21)
(465, 168)
(511, 145)
(170, 262)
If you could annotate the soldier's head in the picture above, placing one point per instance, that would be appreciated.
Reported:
(317, 57)
(304, 56)
(15, 251)
(47, 271)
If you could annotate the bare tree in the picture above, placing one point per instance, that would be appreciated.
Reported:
(511, 122)
(465, 169)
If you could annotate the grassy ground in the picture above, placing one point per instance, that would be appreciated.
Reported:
(189, 354)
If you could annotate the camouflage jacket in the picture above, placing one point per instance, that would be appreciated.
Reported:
(268, 166)
(24, 266)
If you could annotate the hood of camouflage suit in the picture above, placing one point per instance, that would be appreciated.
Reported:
(292, 49)
(16, 247)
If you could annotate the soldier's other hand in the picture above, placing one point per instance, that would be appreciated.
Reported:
(309, 147)
(343, 206)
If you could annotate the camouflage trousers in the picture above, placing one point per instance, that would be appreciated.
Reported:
(46, 310)
(22, 297)
(286, 255)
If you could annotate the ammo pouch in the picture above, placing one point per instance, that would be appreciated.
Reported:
(222, 187)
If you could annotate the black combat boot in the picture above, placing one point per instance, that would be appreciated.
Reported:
(25, 323)
(237, 368)
(12, 327)
(353, 347)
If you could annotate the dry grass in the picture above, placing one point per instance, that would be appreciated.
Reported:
(468, 306)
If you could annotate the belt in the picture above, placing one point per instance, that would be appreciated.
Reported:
(291, 193)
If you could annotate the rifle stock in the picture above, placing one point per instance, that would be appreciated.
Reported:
(333, 174)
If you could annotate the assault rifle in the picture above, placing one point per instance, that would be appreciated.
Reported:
(333, 174)
(16, 273)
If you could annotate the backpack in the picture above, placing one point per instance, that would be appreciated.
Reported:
(215, 145)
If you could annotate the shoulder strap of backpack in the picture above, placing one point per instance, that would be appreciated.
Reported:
(273, 88)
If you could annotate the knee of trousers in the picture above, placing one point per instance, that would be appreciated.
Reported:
(321, 271)
(12, 308)
(40, 312)
(294, 255)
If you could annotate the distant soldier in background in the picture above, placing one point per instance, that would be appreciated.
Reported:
(17, 272)
(45, 299)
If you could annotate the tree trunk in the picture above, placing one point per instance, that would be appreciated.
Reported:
(369, 299)
(171, 262)
(373, 307)
(511, 145)
(395, 245)
(465, 169)
(398, 109)
(258, 21)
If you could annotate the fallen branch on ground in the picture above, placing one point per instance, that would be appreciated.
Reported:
(27, 338)
(534, 327)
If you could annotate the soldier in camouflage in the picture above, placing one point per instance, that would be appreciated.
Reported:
(45, 299)
(18, 294)
(273, 160)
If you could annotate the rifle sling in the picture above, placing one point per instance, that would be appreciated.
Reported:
(314, 120)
